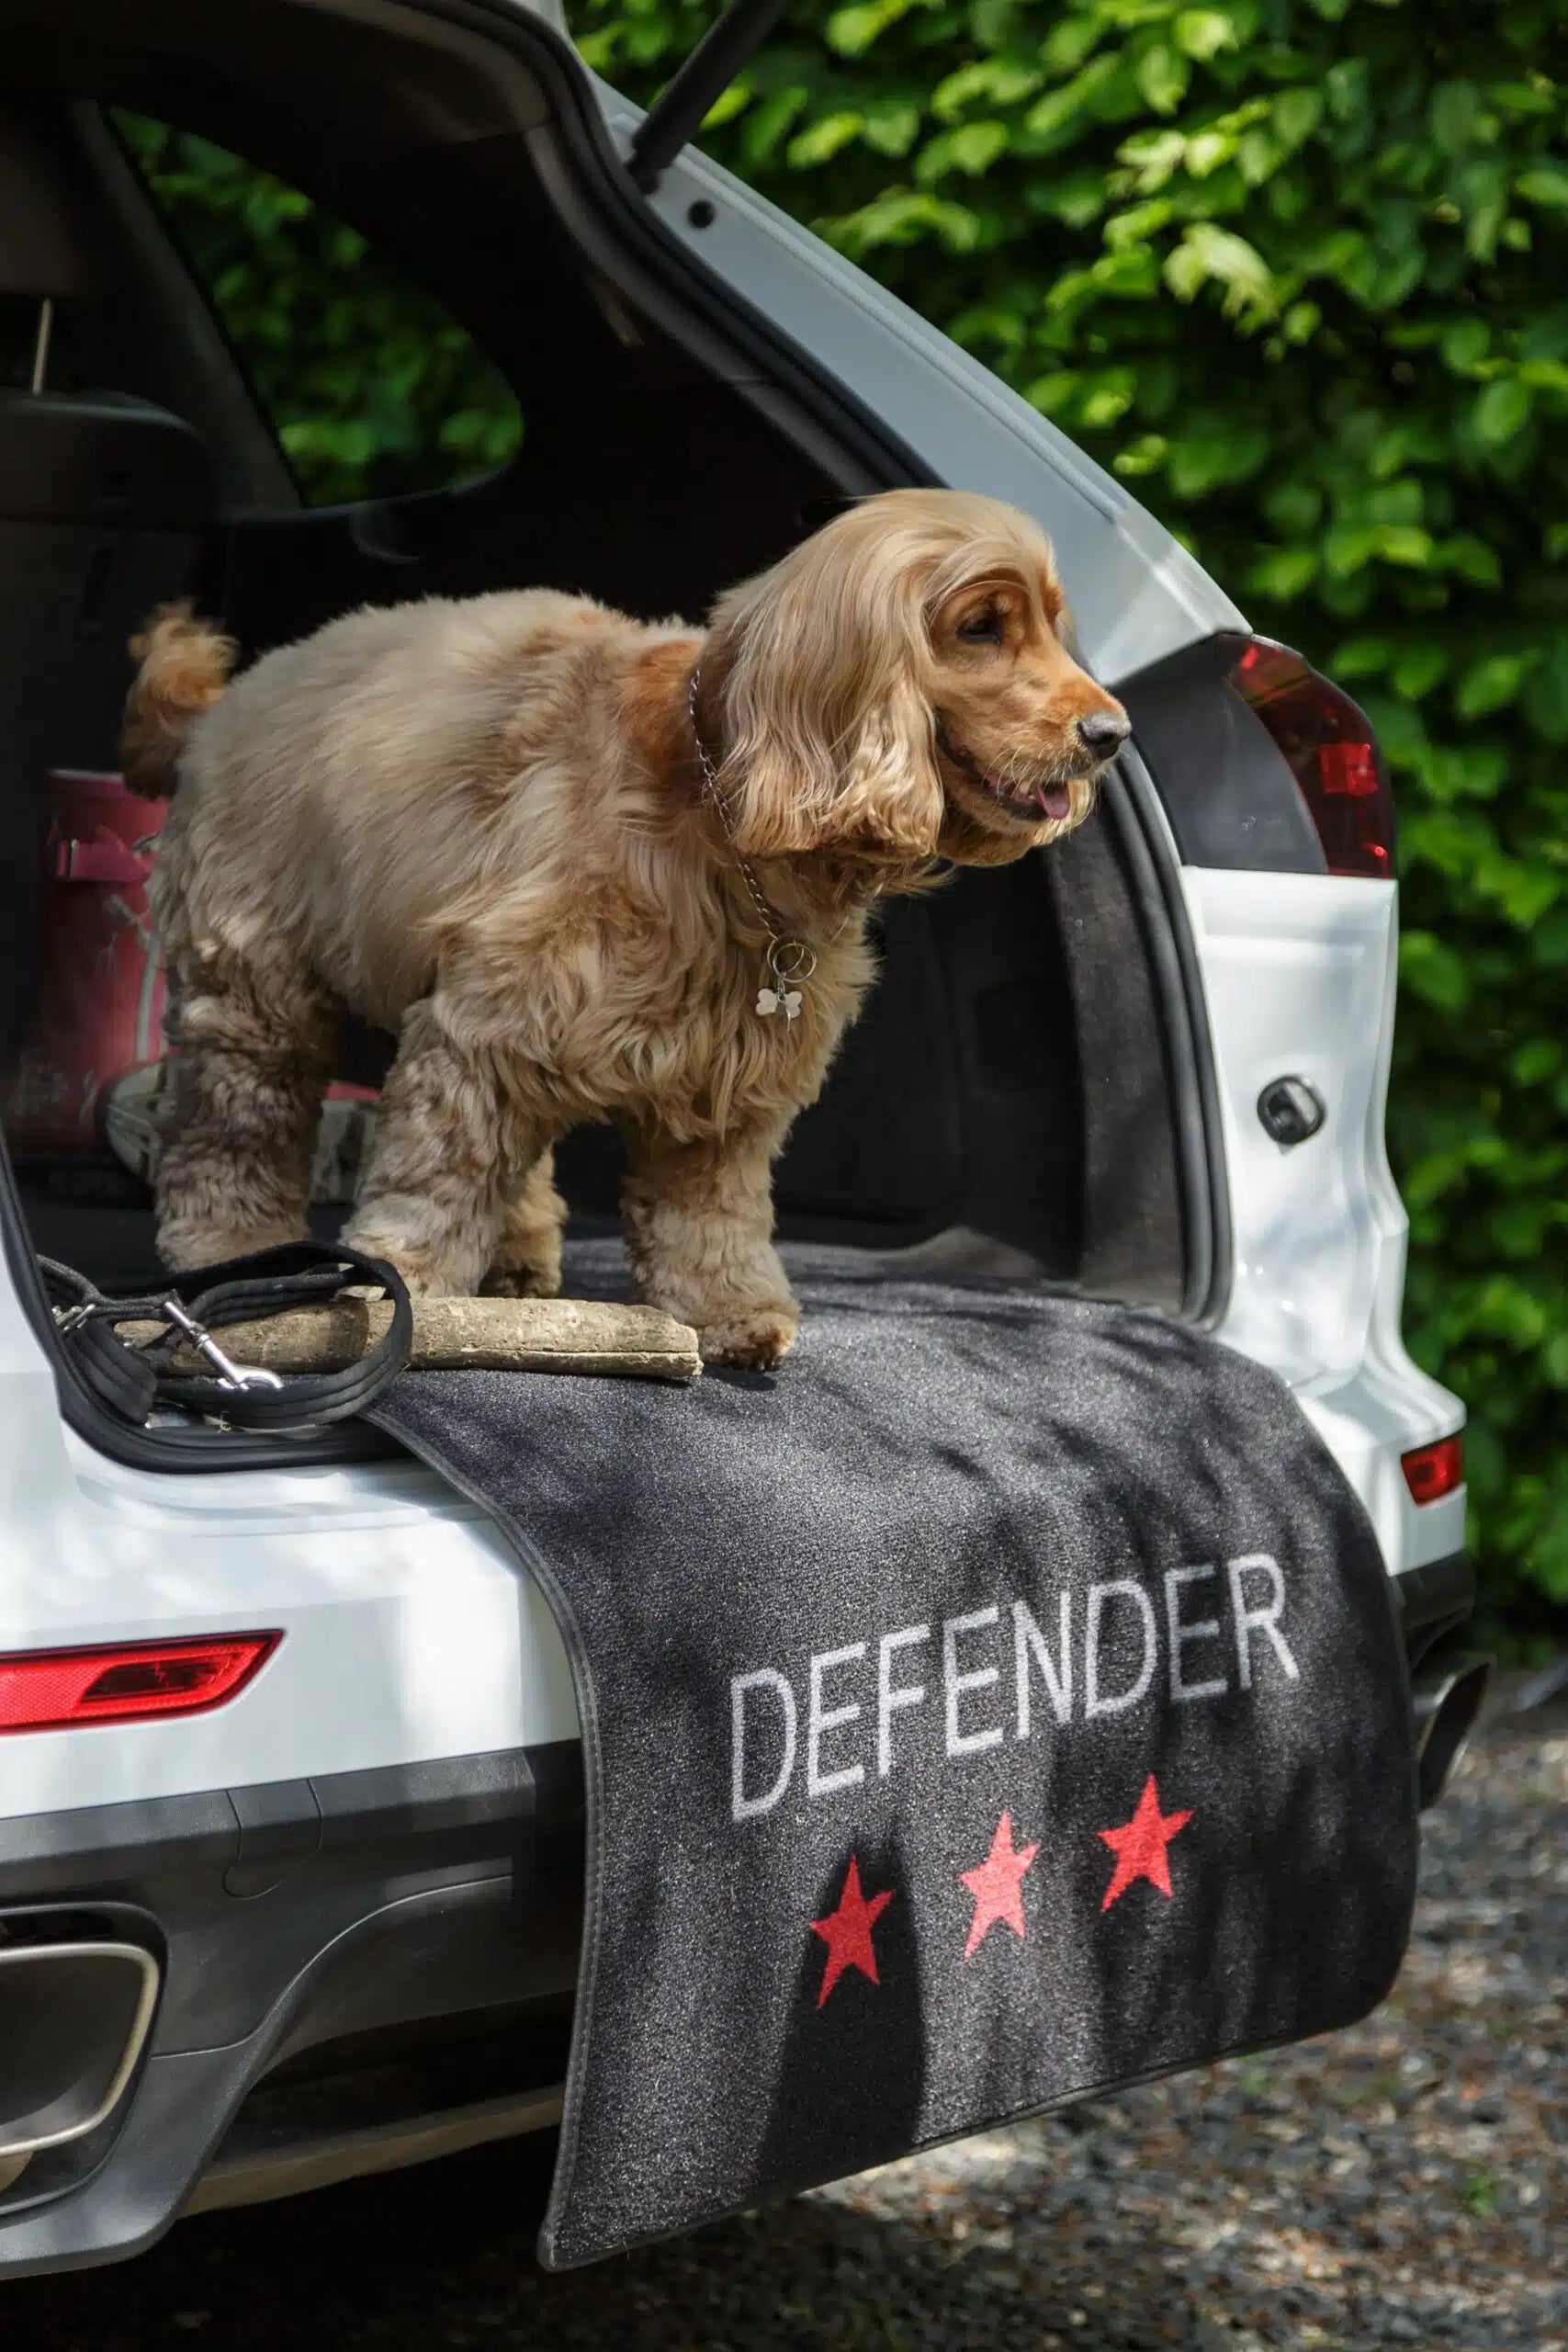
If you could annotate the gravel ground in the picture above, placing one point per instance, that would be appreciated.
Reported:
(1402, 2183)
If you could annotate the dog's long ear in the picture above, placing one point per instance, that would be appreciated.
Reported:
(827, 732)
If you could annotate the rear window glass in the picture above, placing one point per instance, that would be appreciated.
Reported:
(370, 387)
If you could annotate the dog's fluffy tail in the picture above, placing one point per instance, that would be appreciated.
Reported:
(184, 665)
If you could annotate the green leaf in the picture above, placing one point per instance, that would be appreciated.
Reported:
(853, 30)
(1206, 151)
(1201, 33)
(1417, 669)
(1348, 548)
(1464, 345)
(998, 82)
(1361, 657)
(1053, 116)
(1070, 41)
(1434, 970)
(1162, 75)
(1293, 507)
(1297, 114)
(970, 148)
(1538, 1057)
(1481, 192)
(1283, 572)
(763, 128)
(1501, 410)
(1491, 684)
(1404, 544)
(1545, 183)
(1472, 558)
(1456, 110)
(1208, 251)
(1507, 1310)
(1544, 697)
(892, 125)
(823, 139)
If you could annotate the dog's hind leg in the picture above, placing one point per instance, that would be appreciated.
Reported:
(527, 1258)
(252, 1038)
(453, 1134)
(699, 1223)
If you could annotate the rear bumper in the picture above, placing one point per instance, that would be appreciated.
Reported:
(345, 1957)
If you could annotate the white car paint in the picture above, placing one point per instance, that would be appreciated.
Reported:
(1299, 971)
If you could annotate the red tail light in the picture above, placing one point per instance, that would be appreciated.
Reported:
(1433, 1471)
(57, 1690)
(1329, 747)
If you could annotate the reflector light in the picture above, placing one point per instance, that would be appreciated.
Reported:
(1328, 745)
(1348, 768)
(59, 1690)
(1433, 1471)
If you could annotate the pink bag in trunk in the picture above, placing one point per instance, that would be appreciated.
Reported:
(88, 1084)
(101, 983)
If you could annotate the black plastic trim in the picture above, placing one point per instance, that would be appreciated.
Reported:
(1133, 802)
(679, 111)
(1437, 1592)
(1231, 801)
(424, 1898)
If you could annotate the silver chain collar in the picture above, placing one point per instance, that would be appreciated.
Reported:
(789, 962)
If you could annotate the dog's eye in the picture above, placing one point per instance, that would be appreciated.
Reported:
(981, 628)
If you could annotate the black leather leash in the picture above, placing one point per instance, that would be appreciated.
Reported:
(136, 1381)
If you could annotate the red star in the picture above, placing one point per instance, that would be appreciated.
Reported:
(1139, 1845)
(847, 1931)
(996, 1886)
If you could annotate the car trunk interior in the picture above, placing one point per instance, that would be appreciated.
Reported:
(1011, 1102)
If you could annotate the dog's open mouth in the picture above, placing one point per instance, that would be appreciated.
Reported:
(1033, 803)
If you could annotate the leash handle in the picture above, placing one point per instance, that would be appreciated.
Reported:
(135, 1381)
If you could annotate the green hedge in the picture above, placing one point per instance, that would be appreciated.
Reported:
(371, 387)
(1297, 271)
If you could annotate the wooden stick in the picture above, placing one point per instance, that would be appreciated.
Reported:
(484, 1334)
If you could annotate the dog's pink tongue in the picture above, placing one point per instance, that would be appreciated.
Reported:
(1053, 799)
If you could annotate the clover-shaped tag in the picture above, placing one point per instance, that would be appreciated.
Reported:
(785, 1001)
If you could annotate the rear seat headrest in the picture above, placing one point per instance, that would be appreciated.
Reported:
(46, 246)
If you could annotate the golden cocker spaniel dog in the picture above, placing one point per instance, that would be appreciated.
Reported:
(584, 868)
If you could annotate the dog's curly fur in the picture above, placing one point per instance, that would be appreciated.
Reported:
(482, 825)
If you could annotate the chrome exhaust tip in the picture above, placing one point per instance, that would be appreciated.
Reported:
(74, 2019)
(1449, 1696)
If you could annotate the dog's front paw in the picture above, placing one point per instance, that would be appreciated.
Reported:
(185, 1244)
(424, 1275)
(522, 1281)
(754, 1338)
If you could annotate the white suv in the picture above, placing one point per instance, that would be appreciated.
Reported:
(290, 1840)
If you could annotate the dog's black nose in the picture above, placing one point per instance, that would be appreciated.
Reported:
(1103, 732)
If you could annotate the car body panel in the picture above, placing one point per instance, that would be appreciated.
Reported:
(411, 1630)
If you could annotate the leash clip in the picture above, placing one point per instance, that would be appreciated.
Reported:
(230, 1374)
